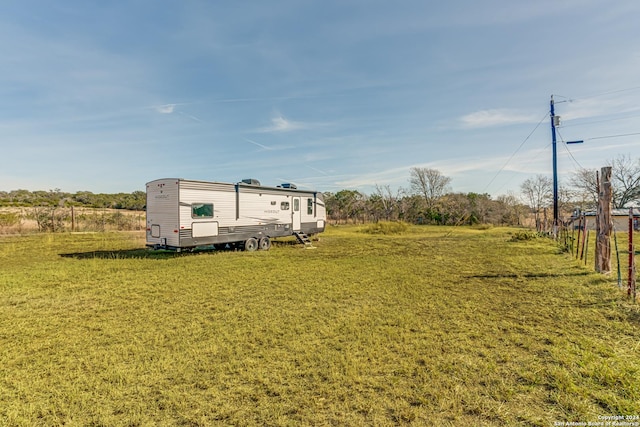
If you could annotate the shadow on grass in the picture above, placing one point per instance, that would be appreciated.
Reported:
(633, 313)
(141, 253)
(527, 275)
(146, 253)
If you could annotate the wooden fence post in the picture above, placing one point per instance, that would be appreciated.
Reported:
(586, 247)
(579, 236)
(584, 237)
(573, 235)
(604, 223)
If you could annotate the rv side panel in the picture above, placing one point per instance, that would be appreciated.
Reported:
(202, 204)
(263, 207)
(205, 207)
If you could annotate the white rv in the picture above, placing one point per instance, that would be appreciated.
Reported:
(183, 214)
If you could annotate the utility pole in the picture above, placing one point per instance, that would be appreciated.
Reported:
(554, 122)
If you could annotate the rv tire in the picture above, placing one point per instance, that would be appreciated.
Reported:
(250, 244)
(264, 244)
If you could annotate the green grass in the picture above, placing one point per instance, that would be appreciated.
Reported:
(435, 326)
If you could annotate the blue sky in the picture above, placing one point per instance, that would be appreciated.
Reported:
(330, 95)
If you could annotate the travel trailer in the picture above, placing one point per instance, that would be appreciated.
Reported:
(184, 214)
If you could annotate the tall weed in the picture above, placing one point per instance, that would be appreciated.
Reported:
(386, 227)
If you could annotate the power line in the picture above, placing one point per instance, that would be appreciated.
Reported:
(606, 93)
(613, 136)
(567, 99)
(588, 139)
(566, 125)
(609, 92)
(596, 95)
(515, 152)
(568, 151)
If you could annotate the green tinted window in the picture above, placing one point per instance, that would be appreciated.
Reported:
(202, 210)
(310, 206)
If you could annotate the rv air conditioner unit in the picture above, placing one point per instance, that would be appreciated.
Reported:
(251, 181)
(288, 185)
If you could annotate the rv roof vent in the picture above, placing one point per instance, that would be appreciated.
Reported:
(289, 185)
(251, 181)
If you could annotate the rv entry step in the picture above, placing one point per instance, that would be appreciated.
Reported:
(303, 238)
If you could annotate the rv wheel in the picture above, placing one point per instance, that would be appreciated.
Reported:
(250, 245)
(264, 244)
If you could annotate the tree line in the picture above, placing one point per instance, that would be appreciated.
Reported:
(429, 199)
(56, 198)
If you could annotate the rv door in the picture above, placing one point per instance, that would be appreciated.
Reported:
(296, 214)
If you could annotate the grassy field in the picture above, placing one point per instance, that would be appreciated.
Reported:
(437, 326)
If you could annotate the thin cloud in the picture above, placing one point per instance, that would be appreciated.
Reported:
(172, 108)
(390, 176)
(451, 167)
(495, 117)
(166, 108)
(281, 124)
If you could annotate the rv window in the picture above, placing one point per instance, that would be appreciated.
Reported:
(202, 210)
(284, 206)
(296, 205)
(310, 206)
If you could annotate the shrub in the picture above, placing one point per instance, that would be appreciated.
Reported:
(386, 227)
(527, 235)
(9, 219)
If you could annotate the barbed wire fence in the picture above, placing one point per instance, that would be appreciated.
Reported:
(578, 238)
(69, 219)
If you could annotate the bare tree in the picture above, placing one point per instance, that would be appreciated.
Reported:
(387, 201)
(511, 209)
(585, 182)
(538, 192)
(430, 184)
(625, 180)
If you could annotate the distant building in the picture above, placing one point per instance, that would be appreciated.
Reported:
(620, 219)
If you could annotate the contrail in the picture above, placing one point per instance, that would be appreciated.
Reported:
(191, 117)
(258, 144)
(317, 170)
